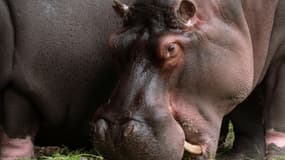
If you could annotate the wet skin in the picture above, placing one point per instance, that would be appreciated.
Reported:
(183, 66)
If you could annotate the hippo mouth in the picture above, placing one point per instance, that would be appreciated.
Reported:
(167, 135)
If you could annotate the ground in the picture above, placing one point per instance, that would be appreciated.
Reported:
(62, 153)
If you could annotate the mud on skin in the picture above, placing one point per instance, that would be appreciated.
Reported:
(185, 64)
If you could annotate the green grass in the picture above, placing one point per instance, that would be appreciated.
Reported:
(71, 156)
(62, 153)
(229, 142)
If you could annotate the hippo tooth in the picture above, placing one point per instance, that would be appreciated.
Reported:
(193, 149)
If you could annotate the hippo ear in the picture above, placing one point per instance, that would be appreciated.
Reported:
(121, 9)
(186, 12)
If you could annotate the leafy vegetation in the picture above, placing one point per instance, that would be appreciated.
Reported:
(62, 153)
(71, 156)
(229, 142)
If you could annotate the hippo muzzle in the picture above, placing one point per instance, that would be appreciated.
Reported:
(136, 123)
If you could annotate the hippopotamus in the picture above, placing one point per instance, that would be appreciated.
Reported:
(182, 66)
(55, 70)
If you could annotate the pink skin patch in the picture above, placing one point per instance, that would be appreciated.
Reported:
(274, 137)
(14, 148)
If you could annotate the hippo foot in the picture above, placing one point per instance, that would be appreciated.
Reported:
(14, 148)
(275, 153)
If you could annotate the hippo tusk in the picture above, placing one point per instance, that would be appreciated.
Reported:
(193, 149)
(121, 8)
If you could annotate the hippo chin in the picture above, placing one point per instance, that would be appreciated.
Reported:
(182, 66)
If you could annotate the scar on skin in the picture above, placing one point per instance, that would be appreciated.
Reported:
(275, 137)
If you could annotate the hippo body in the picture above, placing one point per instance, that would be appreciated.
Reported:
(55, 69)
(184, 65)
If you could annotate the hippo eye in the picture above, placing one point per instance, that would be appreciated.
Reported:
(170, 55)
(170, 51)
(186, 12)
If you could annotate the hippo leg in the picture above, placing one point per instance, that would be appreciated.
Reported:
(19, 126)
(275, 111)
(249, 129)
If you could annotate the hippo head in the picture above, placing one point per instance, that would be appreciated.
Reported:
(182, 65)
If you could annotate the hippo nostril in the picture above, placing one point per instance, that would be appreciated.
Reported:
(129, 128)
(100, 129)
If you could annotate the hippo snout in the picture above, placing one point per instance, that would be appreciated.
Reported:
(137, 140)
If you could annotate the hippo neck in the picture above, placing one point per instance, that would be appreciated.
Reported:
(260, 18)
